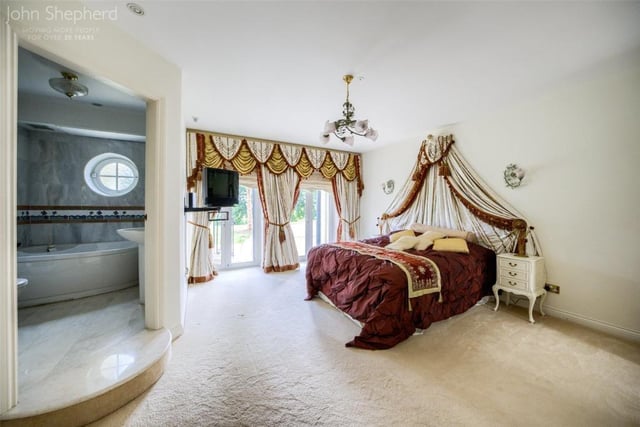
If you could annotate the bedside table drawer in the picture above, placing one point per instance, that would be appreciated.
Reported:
(512, 264)
(508, 282)
(514, 274)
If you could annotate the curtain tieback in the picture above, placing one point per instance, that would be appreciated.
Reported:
(350, 222)
(198, 225)
(352, 229)
(281, 235)
(206, 228)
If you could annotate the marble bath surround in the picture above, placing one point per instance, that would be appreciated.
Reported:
(69, 271)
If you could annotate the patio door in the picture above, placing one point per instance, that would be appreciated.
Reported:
(237, 240)
(313, 220)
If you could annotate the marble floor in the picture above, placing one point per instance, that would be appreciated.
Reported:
(75, 350)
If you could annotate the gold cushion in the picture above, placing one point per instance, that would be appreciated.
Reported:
(452, 244)
(427, 238)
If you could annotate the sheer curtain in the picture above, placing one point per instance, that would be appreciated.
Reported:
(200, 262)
(278, 195)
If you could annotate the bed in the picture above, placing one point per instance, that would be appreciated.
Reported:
(374, 291)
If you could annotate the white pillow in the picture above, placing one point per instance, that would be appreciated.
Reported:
(426, 239)
(449, 232)
(403, 243)
(398, 234)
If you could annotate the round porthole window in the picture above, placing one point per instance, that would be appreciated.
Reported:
(111, 174)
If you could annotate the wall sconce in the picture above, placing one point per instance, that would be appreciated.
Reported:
(387, 186)
(513, 175)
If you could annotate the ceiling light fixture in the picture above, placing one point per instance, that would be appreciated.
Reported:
(68, 85)
(135, 8)
(345, 128)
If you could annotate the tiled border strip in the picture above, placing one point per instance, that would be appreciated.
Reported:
(46, 214)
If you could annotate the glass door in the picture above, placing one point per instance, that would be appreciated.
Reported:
(237, 241)
(313, 220)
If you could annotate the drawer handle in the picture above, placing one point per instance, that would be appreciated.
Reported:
(513, 283)
(512, 274)
(513, 264)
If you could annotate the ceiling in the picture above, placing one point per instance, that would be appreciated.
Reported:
(34, 73)
(273, 70)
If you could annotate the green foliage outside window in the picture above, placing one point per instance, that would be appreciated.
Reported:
(240, 216)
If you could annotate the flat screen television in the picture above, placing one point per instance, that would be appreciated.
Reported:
(220, 187)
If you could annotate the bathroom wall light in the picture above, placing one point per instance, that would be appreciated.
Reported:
(513, 175)
(387, 186)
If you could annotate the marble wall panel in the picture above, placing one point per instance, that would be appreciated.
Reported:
(60, 234)
(51, 173)
(23, 166)
(55, 169)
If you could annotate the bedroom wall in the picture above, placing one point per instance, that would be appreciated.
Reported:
(579, 143)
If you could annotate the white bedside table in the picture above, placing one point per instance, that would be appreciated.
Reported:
(521, 276)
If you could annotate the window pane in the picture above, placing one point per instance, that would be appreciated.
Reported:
(124, 170)
(111, 174)
(242, 227)
(216, 233)
(124, 183)
(109, 169)
(316, 225)
(298, 223)
(109, 182)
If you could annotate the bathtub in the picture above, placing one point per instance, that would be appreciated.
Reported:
(76, 270)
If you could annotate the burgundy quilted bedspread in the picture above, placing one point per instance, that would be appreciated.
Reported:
(375, 292)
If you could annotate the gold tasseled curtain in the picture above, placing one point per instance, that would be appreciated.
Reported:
(277, 164)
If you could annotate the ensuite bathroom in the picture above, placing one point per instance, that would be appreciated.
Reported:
(80, 230)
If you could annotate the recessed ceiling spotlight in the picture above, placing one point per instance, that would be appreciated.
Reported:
(135, 8)
(96, 104)
(195, 119)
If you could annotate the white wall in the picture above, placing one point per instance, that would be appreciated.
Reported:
(580, 146)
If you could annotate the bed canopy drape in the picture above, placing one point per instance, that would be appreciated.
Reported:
(444, 191)
(279, 169)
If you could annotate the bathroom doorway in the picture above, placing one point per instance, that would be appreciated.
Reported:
(80, 178)
(157, 81)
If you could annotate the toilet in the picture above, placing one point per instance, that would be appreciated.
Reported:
(21, 284)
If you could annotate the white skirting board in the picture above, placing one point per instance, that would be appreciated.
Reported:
(598, 325)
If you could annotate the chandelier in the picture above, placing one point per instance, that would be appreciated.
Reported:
(68, 85)
(345, 128)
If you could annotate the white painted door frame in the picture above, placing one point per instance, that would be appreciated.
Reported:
(8, 185)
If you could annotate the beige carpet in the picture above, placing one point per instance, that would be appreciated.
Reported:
(254, 353)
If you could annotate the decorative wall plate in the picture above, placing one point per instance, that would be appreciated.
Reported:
(387, 186)
(513, 175)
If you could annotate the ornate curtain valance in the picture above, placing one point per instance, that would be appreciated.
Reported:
(215, 150)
